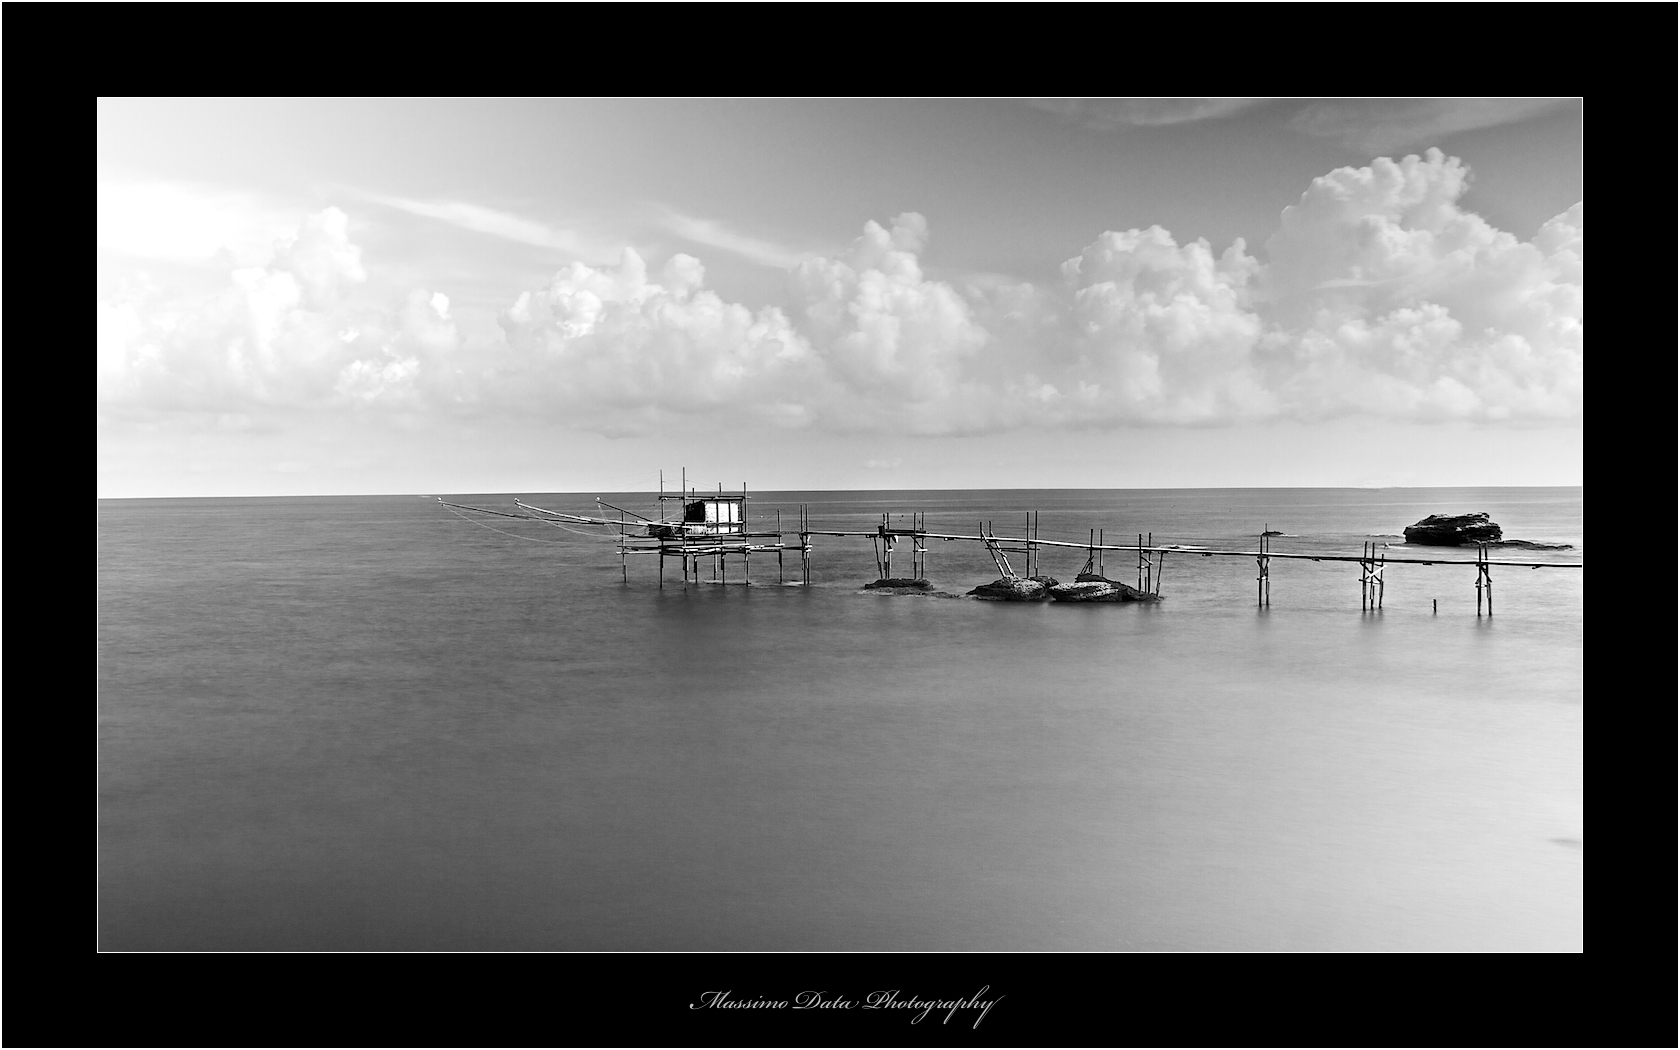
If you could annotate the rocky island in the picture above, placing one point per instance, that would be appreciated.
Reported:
(1453, 530)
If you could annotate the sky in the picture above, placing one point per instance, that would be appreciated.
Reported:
(372, 296)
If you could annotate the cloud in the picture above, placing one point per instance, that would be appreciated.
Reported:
(617, 350)
(1163, 333)
(716, 235)
(1378, 295)
(1109, 114)
(185, 223)
(279, 335)
(493, 223)
(1373, 126)
(894, 344)
(1384, 297)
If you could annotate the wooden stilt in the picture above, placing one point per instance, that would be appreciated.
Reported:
(1484, 580)
(1026, 537)
(1149, 567)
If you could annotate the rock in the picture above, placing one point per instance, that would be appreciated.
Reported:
(1530, 545)
(899, 585)
(1447, 530)
(1033, 590)
(1093, 588)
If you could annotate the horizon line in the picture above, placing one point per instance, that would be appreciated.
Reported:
(586, 492)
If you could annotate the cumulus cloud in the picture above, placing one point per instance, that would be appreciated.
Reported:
(1377, 294)
(1385, 297)
(614, 348)
(890, 340)
(1163, 333)
(275, 335)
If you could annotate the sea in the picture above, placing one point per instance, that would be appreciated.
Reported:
(376, 723)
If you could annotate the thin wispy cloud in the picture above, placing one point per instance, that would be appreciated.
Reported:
(1375, 126)
(1109, 114)
(493, 223)
(714, 234)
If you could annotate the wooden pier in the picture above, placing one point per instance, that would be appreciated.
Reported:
(710, 528)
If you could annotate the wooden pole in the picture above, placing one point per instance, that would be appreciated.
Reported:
(1381, 581)
(779, 545)
(887, 543)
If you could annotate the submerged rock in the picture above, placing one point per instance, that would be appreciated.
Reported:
(897, 584)
(1453, 530)
(1530, 545)
(1090, 587)
(1017, 590)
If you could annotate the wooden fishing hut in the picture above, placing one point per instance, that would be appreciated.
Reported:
(695, 527)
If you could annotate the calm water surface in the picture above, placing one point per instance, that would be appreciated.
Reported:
(365, 723)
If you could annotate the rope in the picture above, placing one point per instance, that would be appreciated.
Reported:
(455, 509)
(492, 528)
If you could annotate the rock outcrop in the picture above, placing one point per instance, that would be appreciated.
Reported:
(1453, 530)
(898, 584)
(1089, 587)
(1034, 589)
